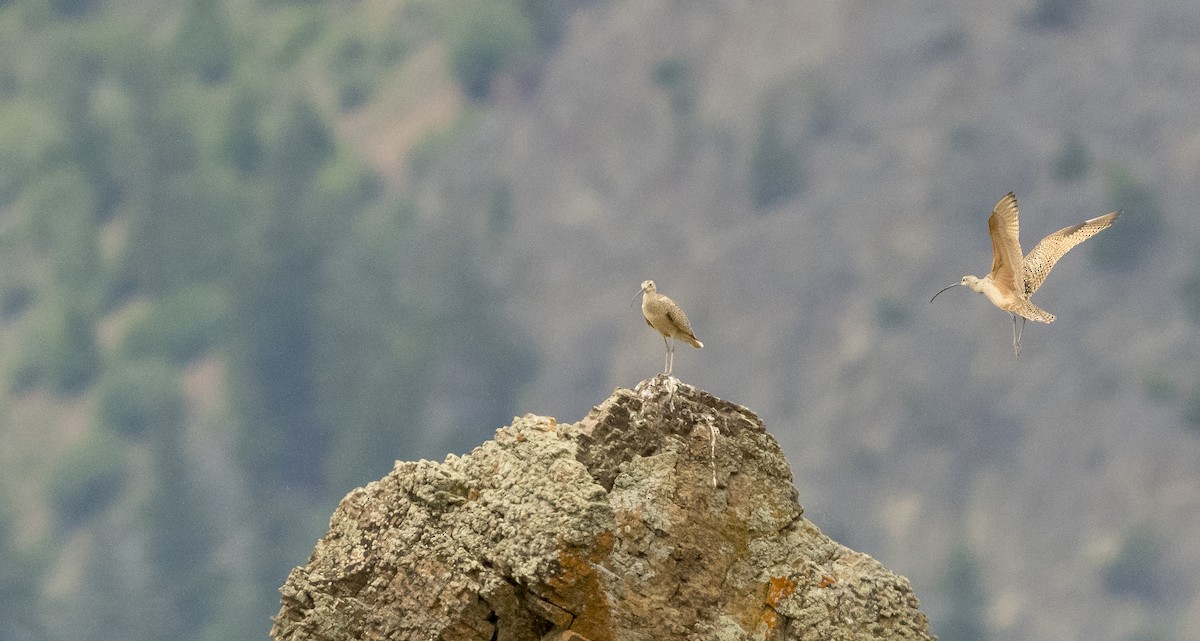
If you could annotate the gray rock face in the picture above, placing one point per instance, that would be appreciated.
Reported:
(666, 513)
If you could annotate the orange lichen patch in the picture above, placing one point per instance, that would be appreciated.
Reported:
(778, 589)
(826, 581)
(771, 620)
(579, 590)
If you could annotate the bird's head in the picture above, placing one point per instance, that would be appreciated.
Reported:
(647, 286)
(968, 281)
(971, 282)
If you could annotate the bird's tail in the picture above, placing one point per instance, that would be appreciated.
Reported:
(693, 342)
(1028, 310)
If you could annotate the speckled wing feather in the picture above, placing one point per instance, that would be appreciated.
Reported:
(685, 328)
(1032, 312)
(1006, 246)
(1041, 259)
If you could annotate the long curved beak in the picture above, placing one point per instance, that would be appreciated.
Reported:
(943, 289)
(640, 291)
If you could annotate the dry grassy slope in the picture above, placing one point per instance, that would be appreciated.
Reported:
(417, 99)
(912, 122)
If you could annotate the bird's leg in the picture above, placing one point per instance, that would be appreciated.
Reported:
(671, 357)
(666, 356)
(1017, 337)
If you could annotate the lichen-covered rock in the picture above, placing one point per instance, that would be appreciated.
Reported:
(664, 514)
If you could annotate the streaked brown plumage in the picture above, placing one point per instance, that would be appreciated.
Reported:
(1014, 279)
(664, 315)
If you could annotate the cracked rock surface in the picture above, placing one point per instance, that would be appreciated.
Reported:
(666, 513)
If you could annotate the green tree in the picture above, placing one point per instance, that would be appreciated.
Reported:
(61, 208)
(89, 478)
(75, 8)
(242, 146)
(15, 299)
(186, 235)
(775, 172)
(138, 398)
(962, 588)
(1061, 15)
(1189, 288)
(32, 141)
(169, 530)
(486, 36)
(61, 352)
(546, 18)
(204, 44)
(184, 204)
(1139, 227)
(379, 335)
(180, 326)
(273, 307)
(1139, 570)
(182, 543)
(19, 574)
(676, 77)
(1073, 161)
(83, 66)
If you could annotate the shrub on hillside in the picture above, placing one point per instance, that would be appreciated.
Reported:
(1074, 161)
(179, 327)
(137, 398)
(1140, 226)
(775, 172)
(485, 37)
(88, 478)
(61, 351)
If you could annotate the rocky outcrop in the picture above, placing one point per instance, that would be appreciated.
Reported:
(664, 514)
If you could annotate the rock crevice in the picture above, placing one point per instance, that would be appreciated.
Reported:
(665, 513)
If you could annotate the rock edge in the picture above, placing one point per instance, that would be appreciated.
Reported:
(666, 513)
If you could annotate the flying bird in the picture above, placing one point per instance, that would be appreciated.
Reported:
(1014, 279)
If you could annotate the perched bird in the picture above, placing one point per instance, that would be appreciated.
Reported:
(1014, 279)
(665, 316)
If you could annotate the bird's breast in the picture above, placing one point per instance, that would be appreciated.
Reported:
(1002, 298)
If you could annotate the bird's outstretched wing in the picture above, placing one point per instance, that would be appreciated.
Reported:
(1041, 259)
(1006, 246)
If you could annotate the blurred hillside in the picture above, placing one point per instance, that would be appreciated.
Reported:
(255, 251)
(221, 307)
